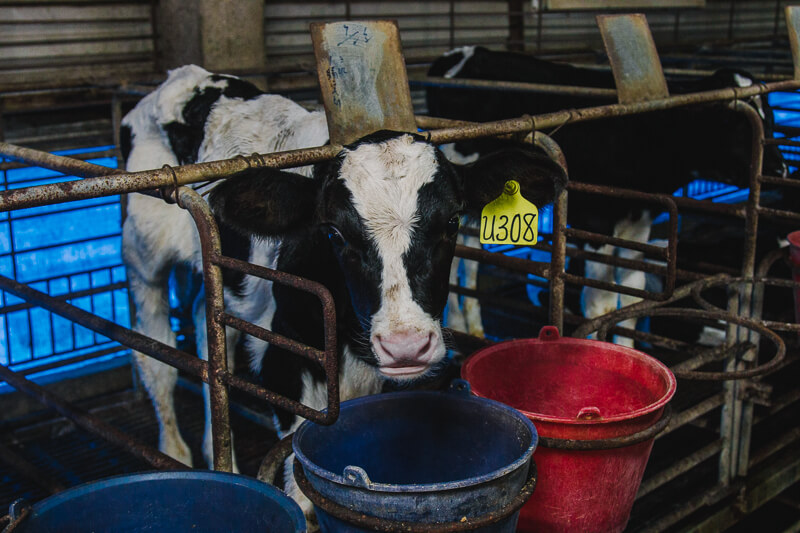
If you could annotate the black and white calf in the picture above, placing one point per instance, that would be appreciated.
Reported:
(655, 152)
(377, 226)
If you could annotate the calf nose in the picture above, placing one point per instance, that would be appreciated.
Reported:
(405, 348)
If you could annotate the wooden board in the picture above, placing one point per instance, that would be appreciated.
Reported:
(362, 75)
(793, 25)
(633, 57)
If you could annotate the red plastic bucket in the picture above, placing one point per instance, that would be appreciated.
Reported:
(794, 256)
(579, 390)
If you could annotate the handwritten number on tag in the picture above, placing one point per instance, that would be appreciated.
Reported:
(521, 228)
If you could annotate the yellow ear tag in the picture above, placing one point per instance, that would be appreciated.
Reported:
(510, 218)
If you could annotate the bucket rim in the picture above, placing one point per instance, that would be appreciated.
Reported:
(659, 403)
(339, 479)
(78, 491)
(794, 239)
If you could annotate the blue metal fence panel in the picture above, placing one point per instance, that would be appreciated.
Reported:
(61, 249)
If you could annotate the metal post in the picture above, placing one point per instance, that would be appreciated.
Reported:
(748, 271)
(217, 355)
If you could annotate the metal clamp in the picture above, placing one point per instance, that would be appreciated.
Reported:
(170, 194)
(613, 443)
(390, 526)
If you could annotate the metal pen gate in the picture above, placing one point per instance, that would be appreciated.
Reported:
(171, 179)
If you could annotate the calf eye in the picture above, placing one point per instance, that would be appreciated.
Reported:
(335, 236)
(453, 224)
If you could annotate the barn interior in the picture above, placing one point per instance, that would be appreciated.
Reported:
(72, 409)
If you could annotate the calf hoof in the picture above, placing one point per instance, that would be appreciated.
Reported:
(178, 451)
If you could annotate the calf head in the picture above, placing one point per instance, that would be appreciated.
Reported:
(388, 209)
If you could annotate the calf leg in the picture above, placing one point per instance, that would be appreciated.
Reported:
(201, 337)
(472, 307)
(455, 317)
(638, 231)
(598, 302)
(356, 379)
(152, 320)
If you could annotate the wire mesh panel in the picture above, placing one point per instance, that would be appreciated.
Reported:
(70, 250)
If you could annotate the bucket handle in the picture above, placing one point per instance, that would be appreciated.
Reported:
(355, 476)
(273, 461)
(17, 512)
(549, 333)
(374, 523)
(610, 444)
(460, 386)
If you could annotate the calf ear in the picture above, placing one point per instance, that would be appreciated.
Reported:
(540, 178)
(265, 201)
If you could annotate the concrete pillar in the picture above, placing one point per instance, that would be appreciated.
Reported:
(219, 35)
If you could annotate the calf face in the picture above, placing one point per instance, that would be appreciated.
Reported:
(388, 207)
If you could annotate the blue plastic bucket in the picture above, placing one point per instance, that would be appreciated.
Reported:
(420, 457)
(201, 502)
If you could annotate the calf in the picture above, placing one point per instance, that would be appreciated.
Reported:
(377, 226)
(656, 152)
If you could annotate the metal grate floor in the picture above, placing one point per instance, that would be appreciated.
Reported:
(73, 456)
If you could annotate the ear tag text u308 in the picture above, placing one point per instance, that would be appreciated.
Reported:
(509, 218)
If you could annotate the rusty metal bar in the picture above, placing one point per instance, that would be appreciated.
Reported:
(328, 358)
(558, 259)
(157, 350)
(694, 412)
(68, 296)
(170, 355)
(696, 314)
(511, 263)
(505, 303)
(634, 264)
(743, 423)
(709, 355)
(690, 204)
(116, 183)
(272, 338)
(779, 404)
(649, 249)
(774, 446)
(91, 423)
(778, 213)
(758, 294)
(676, 469)
(211, 246)
(707, 498)
(517, 86)
(552, 120)
(641, 307)
(163, 352)
(670, 252)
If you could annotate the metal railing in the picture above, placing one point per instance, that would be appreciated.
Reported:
(171, 181)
